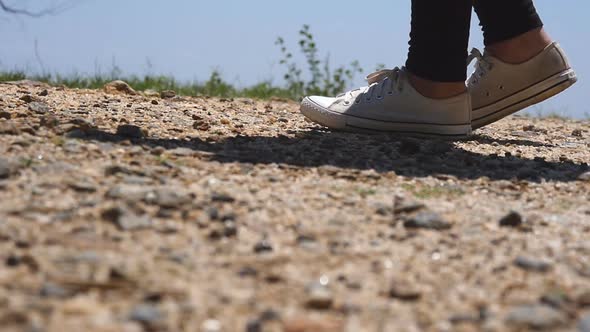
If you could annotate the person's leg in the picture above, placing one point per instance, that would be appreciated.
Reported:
(438, 46)
(513, 30)
(427, 97)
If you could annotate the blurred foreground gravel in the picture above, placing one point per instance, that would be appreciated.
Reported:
(123, 211)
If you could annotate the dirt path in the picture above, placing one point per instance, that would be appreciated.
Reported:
(132, 213)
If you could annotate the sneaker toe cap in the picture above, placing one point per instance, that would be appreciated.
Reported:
(324, 102)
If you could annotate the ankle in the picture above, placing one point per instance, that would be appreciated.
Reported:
(521, 48)
(436, 90)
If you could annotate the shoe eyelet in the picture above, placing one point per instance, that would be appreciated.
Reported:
(358, 101)
(379, 97)
(501, 87)
(346, 102)
(368, 99)
(390, 93)
(488, 94)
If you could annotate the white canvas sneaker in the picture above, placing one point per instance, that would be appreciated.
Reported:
(499, 89)
(391, 104)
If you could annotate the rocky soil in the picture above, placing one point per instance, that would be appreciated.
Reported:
(122, 211)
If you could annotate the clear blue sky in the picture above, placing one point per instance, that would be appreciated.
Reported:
(190, 38)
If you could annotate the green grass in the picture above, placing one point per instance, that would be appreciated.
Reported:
(427, 192)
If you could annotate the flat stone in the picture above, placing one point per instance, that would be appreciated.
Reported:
(129, 193)
(533, 264)
(168, 197)
(83, 186)
(119, 86)
(39, 108)
(427, 220)
(402, 206)
(151, 93)
(167, 94)
(126, 220)
(182, 152)
(538, 317)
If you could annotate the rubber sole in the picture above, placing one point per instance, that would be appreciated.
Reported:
(344, 122)
(523, 99)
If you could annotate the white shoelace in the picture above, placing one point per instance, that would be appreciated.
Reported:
(385, 81)
(482, 66)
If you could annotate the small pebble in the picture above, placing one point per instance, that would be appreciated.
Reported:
(512, 219)
(254, 325)
(222, 197)
(263, 246)
(27, 98)
(12, 261)
(533, 264)
(404, 292)
(427, 220)
(247, 271)
(319, 297)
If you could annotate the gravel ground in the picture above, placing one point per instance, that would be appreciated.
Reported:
(132, 212)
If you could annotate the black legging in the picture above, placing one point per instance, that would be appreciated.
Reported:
(440, 32)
